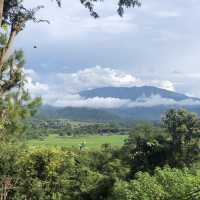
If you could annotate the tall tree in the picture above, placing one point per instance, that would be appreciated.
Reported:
(15, 102)
(184, 129)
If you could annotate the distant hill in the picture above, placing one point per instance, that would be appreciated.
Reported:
(153, 113)
(123, 113)
(79, 114)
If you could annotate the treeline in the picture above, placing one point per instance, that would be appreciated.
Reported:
(62, 127)
(159, 163)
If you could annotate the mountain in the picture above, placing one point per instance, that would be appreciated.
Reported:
(143, 111)
(134, 93)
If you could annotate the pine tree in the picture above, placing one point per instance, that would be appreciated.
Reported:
(15, 102)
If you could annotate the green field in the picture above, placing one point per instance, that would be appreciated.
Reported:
(92, 142)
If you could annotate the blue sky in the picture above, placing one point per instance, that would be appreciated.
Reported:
(157, 44)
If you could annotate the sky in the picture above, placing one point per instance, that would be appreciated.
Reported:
(157, 44)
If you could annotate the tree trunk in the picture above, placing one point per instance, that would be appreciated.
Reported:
(1, 11)
(5, 52)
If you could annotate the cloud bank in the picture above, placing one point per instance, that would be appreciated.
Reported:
(64, 89)
(109, 102)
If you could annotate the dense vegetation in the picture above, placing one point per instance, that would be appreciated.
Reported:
(80, 114)
(121, 114)
(155, 162)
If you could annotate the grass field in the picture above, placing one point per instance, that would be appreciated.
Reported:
(92, 142)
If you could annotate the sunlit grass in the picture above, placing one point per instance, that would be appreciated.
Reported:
(92, 142)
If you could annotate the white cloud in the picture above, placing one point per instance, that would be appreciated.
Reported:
(36, 88)
(156, 100)
(98, 76)
(164, 84)
(96, 102)
(31, 73)
(167, 14)
(109, 102)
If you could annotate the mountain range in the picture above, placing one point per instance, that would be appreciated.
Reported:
(142, 104)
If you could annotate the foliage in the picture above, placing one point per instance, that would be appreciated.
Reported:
(15, 101)
(42, 173)
(184, 129)
(9, 155)
(14, 109)
(65, 127)
(165, 184)
(148, 146)
(54, 174)
(122, 5)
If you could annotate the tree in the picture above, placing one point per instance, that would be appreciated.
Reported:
(146, 148)
(15, 101)
(175, 144)
(184, 129)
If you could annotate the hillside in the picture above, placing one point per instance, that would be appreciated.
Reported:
(79, 114)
